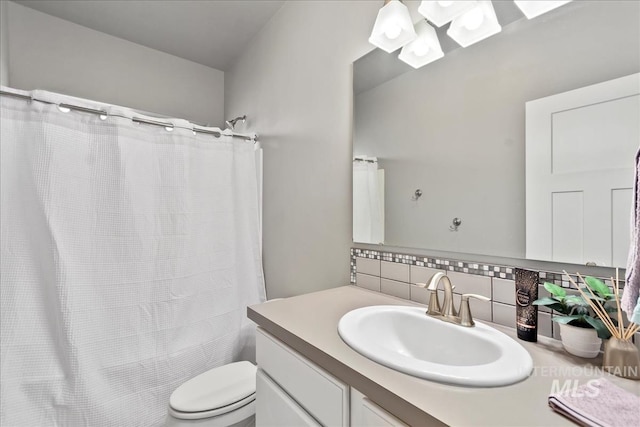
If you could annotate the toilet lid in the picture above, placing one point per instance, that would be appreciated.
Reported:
(215, 388)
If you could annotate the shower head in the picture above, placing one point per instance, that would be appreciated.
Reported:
(231, 124)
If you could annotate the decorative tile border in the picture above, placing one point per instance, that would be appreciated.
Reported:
(448, 264)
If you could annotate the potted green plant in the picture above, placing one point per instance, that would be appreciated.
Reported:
(581, 330)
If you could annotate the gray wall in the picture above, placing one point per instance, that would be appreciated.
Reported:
(4, 45)
(294, 83)
(52, 54)
(456, 127)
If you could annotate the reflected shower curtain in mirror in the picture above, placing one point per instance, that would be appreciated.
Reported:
(129, 255)
(368, 201)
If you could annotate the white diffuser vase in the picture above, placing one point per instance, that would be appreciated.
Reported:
(581, 342)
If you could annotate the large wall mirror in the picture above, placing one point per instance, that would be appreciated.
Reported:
(439, 152)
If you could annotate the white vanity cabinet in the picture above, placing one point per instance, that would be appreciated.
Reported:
(292, 390)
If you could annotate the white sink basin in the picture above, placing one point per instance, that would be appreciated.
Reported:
(409, 341)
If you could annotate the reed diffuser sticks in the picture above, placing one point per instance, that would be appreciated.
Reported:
(618, 331)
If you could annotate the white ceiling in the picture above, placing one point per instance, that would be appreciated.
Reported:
(209, 32)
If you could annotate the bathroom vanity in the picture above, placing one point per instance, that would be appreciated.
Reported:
(308, 376)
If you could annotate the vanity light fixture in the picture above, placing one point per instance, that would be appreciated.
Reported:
(424, 49)
(531, 9)
(441, 12)
(474, 25)
(393, 28)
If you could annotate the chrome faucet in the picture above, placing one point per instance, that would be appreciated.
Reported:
(448, 312)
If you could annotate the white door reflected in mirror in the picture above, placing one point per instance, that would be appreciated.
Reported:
(580, 151)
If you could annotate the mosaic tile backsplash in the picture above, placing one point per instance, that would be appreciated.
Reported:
(480, 269)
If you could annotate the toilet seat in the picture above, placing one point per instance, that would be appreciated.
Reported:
(216, 392)
(242, 409)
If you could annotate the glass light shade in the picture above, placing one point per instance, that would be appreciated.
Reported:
(531, 9)
(424, 49)
(474, 25)
(441, 12)
(393, 28)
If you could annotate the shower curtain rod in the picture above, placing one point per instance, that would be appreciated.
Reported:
(360, 159)
(198, 129)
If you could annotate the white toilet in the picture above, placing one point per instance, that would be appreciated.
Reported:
(220, 397)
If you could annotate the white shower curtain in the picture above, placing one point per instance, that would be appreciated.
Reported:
(128, 256)
(368, 202)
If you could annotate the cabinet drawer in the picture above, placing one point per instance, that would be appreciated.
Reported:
(365, 413)
(373, 415)
(274, 408)
(318, 392)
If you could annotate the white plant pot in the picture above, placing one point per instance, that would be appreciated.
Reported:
(582, 342)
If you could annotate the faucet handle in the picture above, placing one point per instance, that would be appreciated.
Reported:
(434, 302)
(476, 296)
(465, 311)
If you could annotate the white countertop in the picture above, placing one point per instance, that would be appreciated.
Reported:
(309, 324)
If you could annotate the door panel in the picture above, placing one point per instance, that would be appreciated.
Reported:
(580, 150)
